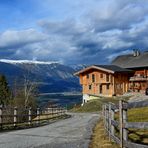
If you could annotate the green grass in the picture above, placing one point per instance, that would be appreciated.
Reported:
(91, 106)
(96, 105)
(138, 136)
(138, 114)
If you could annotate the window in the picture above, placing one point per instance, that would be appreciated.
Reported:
(100, 89)
(107, 77)
(107, 86)
(101, 75)
(87, 76)
(93, 78)
(89, 87)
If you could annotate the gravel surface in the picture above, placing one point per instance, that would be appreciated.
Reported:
(136, 96)
(74, 132)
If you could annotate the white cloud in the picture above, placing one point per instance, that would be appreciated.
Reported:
(16, 38)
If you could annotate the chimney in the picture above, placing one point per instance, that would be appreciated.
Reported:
(136, 52)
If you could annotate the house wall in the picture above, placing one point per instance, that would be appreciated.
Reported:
(143, 72)
(90, 87)
(116, 85)
(121, 83)
(140, 84)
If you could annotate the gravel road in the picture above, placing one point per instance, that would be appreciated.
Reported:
(74, 132)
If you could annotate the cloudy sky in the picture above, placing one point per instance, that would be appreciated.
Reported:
(72, 31)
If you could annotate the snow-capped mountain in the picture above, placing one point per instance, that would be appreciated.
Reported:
(77, 67)
(52, 76)
(27, 62)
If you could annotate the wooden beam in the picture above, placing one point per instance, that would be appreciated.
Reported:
(137, 125)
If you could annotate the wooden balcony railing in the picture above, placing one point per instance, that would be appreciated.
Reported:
(139, 78)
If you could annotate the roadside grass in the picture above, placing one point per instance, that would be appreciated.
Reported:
(99, 138)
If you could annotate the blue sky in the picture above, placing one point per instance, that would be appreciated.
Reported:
(73, 32)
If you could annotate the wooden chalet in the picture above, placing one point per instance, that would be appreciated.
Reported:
(103, 80)
(126, 73)
(138, 62)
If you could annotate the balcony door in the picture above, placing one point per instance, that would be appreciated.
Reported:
(100, 88)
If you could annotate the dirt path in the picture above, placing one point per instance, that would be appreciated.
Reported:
(74, 132)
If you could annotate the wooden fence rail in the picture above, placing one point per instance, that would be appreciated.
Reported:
(108, 112)
(14, 117)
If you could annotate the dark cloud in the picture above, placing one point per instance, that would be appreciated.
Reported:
(104, 31)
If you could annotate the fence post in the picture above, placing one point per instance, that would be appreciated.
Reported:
(112, 126)
(105, 117)
(125, 131)
(1, 117)
(49, 116)
(38, 115)
(15, 116)
(48, 111)
(63, 111)
(52, 111)
(56, 111)
(121, 123)
(109, 118)
(29, 116)
(107, 111)
(60, 111)
(103, 113)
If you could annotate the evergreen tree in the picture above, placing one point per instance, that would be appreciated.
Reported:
(5, 94)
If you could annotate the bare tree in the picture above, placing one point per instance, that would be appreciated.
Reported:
(29, 90)
(25, 92)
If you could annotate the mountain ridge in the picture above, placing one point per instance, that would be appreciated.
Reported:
(52, 76)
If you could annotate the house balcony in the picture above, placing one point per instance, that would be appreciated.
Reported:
(139, 78)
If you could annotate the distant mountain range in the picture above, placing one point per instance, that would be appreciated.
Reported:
(50, 76)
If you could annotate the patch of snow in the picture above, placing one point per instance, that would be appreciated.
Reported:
(27, 62)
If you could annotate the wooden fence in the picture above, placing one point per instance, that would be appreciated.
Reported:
(16, 117)
(122, 124)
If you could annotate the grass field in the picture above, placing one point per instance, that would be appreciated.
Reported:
(96, 105)
(137, 115)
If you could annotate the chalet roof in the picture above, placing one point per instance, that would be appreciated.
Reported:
(129, 61)
(114, 68)
(106, 68)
